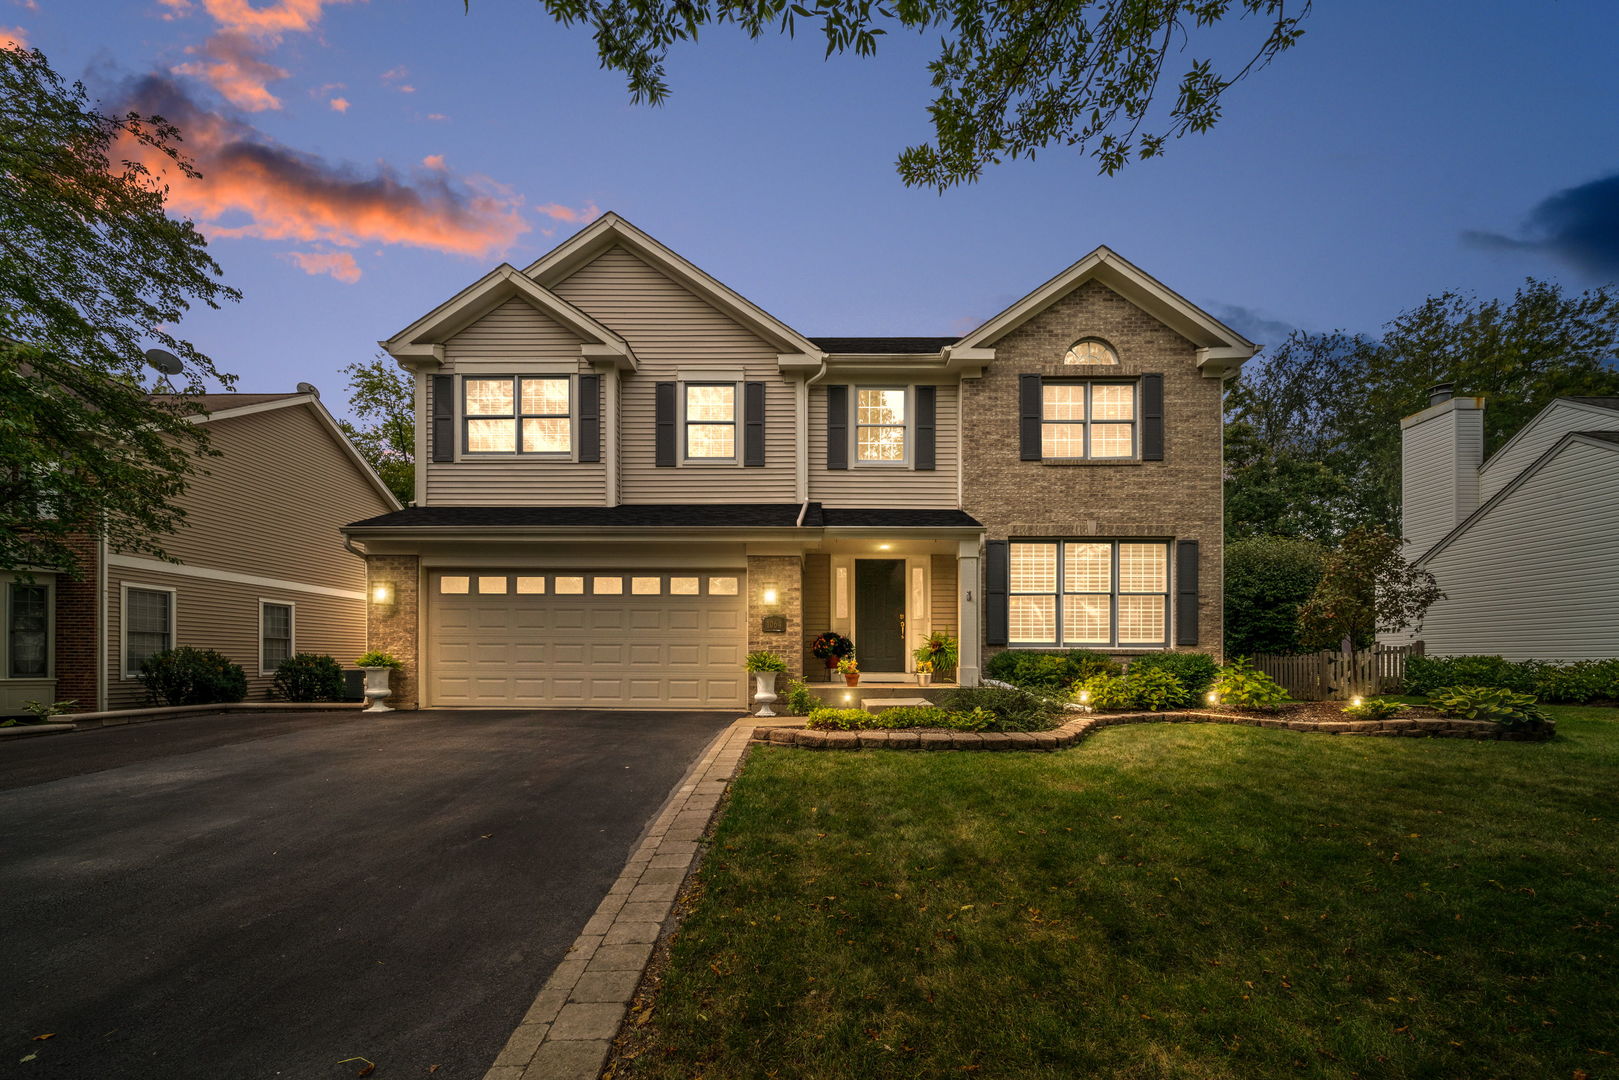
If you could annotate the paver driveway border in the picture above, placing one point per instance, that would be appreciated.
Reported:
(568, 1030)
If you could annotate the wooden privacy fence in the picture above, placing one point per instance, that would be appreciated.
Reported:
(1327, 675)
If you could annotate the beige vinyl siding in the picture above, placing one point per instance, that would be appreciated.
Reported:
(515, 333)
(1439, 476)
(513, 480)
(272, 502)
(670, 328)
(942, 606)
(1534, 577)
(1553, 422)
(870, 486)
(224, 615)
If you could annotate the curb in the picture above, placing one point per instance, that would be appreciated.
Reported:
(120, 717)
(570, 1027)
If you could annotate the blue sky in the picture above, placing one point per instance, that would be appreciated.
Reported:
(1401, 149)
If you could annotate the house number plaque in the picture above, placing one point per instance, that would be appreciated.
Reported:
(774, 624)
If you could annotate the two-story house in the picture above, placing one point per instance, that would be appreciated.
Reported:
(630, 476)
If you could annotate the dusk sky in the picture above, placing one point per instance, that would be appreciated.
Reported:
(367, 158)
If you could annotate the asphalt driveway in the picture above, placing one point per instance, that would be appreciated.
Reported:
(263, 895)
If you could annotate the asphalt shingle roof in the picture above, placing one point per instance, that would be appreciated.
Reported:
(667, 515)
(1602, 402)
(883, 344)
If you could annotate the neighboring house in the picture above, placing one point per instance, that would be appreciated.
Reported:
(629, 476)
(263, 570)
(1525, 544)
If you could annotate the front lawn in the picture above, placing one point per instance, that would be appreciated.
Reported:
(1179, 901)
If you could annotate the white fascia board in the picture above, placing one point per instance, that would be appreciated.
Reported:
(1513, 485)
(249, 410)
(611, 229)
(1535, 421)
(632, 534)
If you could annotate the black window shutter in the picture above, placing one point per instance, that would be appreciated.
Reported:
(1186, 592)
(590, 418)
(837, 427)
(443, 418)
(927, 426)
(1152, 420)
(1029, 416)
(995, 581)
(664, 423)
(753, 433)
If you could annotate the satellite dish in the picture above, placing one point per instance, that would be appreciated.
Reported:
(309, 388)
(164, 361)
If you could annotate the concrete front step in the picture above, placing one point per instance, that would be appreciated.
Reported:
(868, 695)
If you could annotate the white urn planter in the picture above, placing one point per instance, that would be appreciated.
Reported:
(376, 688)
(764, 687)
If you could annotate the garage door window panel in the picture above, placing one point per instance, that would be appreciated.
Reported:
(568, 586)
(492, 586)
(607, 586)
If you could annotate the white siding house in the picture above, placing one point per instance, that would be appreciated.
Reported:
(1525, 544)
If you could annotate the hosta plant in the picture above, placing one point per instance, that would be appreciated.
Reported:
(765, 660)
(1374, 709)
(1496, 704)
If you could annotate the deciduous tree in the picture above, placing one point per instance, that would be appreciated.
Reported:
(380, 396)
(1366, 588)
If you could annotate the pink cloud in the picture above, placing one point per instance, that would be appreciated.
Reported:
(272, 20)
(437, 116)
(27, 5)
(253, 186)
(234, 65)
(339, 104)
(339, 264)
(581, 215)
(434, 161)
(13, 37)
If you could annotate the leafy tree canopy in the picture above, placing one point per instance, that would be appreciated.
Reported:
(1010, 80)
(1267, 579)
(1366, 588)
(1313, 429)
(380, 396)
(91, 271)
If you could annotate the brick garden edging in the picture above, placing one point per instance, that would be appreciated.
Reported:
(569, 1028)
(1077, 729)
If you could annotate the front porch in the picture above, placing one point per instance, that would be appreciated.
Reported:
(878, 692)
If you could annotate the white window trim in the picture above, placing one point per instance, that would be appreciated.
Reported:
(292, 630)
(1114, 643)
(1087, 383)
(49, 584)
(123, 620)
(463, 418)
(908, 458)
(737, 425)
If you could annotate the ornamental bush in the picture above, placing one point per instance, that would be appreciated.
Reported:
(1374, 709)
(1010, 710)
(1195, 670)
(1267, 580)
(187, 676)
(1055, 671)
(798, 700)
(1579, 682)
(1152, 688)
(1496, 704)
(1240, 685)
(308, 677)
(1425, 673)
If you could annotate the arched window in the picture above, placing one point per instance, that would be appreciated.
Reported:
(1090, 351)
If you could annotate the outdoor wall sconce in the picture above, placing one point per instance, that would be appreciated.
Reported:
(382, 594)
(769, 597)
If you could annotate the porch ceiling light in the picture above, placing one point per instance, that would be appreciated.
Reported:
(884, 547)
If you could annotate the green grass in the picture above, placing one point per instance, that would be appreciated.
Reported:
(1166, 901)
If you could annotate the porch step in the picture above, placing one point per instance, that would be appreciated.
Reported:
(876, 704)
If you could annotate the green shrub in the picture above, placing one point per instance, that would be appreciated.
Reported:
(903, 716)
(1496, 704)
(1579, 682)
(1425, 673)
(842, 720)
(308, 677)
(1012, 710)
(798, 700)
(1104, 692)
(1150, 688)
(1195, 670)
(1267, 580)
(942, 650)
(187, 676)
(1374, 709)
(1241, 685)
(907, 716)
(1054, 671)
(764, 660)
(378, 659)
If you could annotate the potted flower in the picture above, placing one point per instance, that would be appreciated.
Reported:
(924, 672)
(764, 665)
(829, 648)
(849, 668)
(377, 666)
(940, 652)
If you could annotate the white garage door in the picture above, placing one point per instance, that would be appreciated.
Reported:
(548, 640)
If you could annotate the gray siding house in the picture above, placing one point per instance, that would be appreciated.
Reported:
(1525, 544)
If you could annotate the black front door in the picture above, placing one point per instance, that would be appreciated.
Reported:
(879, 614)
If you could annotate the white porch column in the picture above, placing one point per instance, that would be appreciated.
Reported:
(968, 590)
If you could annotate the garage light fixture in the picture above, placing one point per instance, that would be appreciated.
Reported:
(382, 593)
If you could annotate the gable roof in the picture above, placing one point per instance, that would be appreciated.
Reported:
(1607, 440)
(1220, 348)
(423, 339)
(611, 230)
(228, 406)
(1501, 453)
(1599, 402)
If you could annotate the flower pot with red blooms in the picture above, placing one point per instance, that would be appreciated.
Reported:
(830, 648)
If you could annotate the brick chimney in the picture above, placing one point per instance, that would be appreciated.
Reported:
(1441, 449)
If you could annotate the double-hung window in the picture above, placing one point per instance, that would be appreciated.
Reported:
(710, 421)
(880, 422)
(28, 629)
(1088, 593)
(1081, 420)
(148, 625)
(275, 634)
(520, 414)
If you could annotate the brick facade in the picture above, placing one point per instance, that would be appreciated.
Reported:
(1177, 498)
(78, 620)
(785, 574)
(393, 628)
